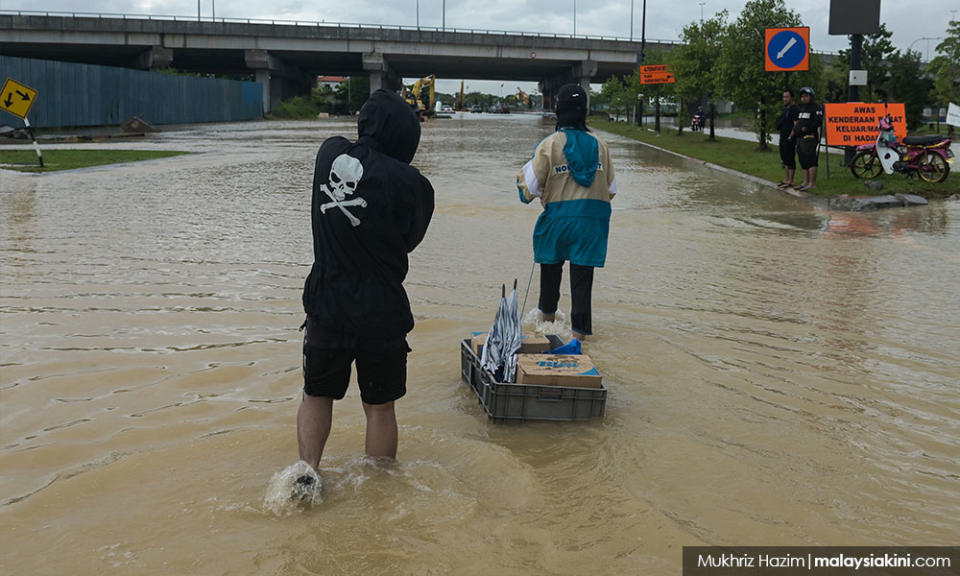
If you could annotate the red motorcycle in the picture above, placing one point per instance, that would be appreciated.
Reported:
(927, 156)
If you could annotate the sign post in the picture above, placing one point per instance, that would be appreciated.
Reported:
(656, 74)
(854, 18)
(17, 99)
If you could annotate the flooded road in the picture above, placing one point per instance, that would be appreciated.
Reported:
(777, 374)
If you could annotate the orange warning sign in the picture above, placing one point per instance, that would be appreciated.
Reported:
(656, 74)
(855, 123)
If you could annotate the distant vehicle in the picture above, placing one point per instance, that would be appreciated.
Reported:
(476, 108)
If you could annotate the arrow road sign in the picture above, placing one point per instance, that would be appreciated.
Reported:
(790, 44)
(787, 49)
(17, 98)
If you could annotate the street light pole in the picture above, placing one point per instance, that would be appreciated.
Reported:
(643, 32)
(701, 12)
(443, 22)
(928, 39)
(418, 13)
(631, 20)
(574, 17)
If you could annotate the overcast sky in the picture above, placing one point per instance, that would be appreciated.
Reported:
(919, 24)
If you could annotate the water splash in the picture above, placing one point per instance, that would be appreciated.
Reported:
(560, 326)
(293, 487)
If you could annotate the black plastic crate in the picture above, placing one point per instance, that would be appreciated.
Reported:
(529, 402)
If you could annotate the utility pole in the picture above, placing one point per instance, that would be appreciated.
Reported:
(574, 17)
(701, 12)
(631, 20)
(853, 91)
(443, 22)
(642, 55)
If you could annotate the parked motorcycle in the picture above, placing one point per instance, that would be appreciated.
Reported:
(696, 123)
(927, 156)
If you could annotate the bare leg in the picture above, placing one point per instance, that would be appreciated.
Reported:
(579, 336)
(790, 172)
(313, 427)
(381, 430)
(812, 177)
(548, 317)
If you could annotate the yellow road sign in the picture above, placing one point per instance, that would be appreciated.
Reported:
(16, 98)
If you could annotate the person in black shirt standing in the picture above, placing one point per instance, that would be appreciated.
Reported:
(807, 132)
(788, 147)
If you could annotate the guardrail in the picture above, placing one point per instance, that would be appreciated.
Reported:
(322, 24)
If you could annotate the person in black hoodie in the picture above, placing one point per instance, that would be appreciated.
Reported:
(807, 132)
(370, 209)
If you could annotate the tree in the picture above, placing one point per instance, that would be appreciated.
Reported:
(740, 72)
(945, 68)
(906, 84)
(874, 58)
(616, 95)
(354, 91)
(694, 62)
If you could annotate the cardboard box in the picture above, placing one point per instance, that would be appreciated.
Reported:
(575, 370)
(529, 343)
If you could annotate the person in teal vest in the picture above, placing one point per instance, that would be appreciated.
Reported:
(572, 175)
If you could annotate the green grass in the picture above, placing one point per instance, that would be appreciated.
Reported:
(26, 160)
(746, 157)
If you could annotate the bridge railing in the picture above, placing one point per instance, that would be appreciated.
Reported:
(323, 24)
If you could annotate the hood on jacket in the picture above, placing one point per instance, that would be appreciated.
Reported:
(583, 156)
(389, 125)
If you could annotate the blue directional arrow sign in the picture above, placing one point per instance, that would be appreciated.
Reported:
(787, 49)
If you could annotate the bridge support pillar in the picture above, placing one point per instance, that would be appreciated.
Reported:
(154, 58)
(381, 74)
(279, 79)
(583, 73)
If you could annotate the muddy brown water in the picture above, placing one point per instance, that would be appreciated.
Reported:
(778, 374)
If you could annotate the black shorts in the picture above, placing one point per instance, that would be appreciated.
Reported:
(327, 358)
(807, 152)
(788, 153)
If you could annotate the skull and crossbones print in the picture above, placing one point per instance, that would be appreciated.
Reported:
(345, 174)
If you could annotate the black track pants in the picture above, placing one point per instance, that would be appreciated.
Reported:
(581, 290)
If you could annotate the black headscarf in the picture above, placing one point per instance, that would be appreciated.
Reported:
(571, 107)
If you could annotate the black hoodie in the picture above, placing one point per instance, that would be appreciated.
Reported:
(355, 286)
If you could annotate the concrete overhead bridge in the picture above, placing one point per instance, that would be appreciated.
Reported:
(285, 56)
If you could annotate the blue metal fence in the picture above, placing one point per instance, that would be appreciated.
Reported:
(88, 95)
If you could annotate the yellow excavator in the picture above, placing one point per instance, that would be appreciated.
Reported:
(523, 98)
(461, 100)
(422, 96)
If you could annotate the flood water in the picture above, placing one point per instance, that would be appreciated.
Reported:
(778, 374)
